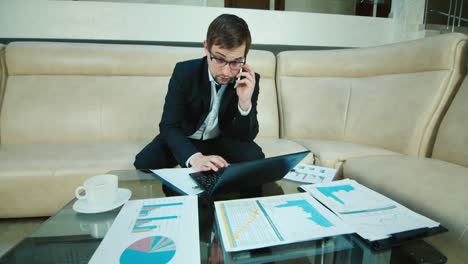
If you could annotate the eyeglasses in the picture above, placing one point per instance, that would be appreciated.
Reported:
(234, 65)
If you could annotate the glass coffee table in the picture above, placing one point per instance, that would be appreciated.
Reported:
(70, 237)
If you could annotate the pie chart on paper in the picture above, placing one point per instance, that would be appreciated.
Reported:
(154, 249)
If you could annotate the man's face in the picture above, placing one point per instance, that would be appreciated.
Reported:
(217, 56)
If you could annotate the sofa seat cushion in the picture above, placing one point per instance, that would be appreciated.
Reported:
(332, 154)
(277, 146)
(37, 180)
(60, 156)
(434, 188)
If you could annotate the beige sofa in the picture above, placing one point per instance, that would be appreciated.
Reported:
(75, 110)
(378, 112)
(437, 186)
(70, 111)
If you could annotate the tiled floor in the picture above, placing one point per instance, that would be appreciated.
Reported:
(13, 230)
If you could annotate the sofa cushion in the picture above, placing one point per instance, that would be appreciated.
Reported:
(275, 147)
(62, 156)
(434, 188)
(330, 153)
(351, 95)
(452, 139)
(2, 78)
(93, 93)
(37, 180)
(267, 106)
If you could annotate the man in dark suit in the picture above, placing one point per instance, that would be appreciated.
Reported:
(210, 110)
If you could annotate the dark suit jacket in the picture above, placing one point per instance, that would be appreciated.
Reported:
(188, 103)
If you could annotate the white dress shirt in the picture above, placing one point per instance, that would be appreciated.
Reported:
(210, 129)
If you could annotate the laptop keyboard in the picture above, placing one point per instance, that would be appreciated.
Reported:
(207, 179)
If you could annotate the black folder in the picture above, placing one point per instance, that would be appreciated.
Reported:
(398, 239)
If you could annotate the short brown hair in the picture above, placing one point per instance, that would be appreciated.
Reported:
(229, 32)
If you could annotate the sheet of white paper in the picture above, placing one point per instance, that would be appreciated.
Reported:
(275, 220)
(181, 179)
(375, 225)
(372, 215)
(153, 230)
(310, 174)
(348, 196)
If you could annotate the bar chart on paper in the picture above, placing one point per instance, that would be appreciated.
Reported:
(372, 215)
(305, 173)
(347, 196)
(151, 216)
(157, 230)
(261, 222)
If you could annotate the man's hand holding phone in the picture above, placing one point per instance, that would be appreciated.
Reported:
(245, 85)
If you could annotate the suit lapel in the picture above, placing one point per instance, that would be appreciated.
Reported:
(205, 87)
(205, 91)
(228, 94)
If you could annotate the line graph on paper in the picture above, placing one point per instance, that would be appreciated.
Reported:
(246, 225)
(379, 224)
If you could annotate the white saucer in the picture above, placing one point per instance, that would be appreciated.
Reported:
(81, 206)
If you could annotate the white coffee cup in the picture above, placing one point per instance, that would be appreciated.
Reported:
(100, 191)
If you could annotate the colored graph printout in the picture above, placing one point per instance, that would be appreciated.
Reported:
(153, 250)
(310, 174)
(262, 222)
(348, 196)
(376, 225)
(372, 215)
(158, 230)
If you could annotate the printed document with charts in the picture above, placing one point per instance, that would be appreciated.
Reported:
(159, 230)
(275, 220)
(372, 215)
(305, 173)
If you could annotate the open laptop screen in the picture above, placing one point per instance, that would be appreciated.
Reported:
(252, 173)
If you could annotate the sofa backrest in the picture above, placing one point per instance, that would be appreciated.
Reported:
(390, 96)
(452, 139)
(86, 93)
(2, 76)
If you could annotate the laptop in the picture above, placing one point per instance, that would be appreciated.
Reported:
(240, 176)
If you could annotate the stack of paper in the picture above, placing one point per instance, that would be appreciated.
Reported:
(372, 215)
(153, 231)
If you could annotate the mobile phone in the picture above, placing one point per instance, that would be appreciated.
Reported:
(240, 78)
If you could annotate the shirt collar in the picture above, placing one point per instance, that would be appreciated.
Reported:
(210, 76)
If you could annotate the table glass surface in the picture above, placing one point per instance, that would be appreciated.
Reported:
(70, 237)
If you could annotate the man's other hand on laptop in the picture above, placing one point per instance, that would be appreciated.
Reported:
(204, 163)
